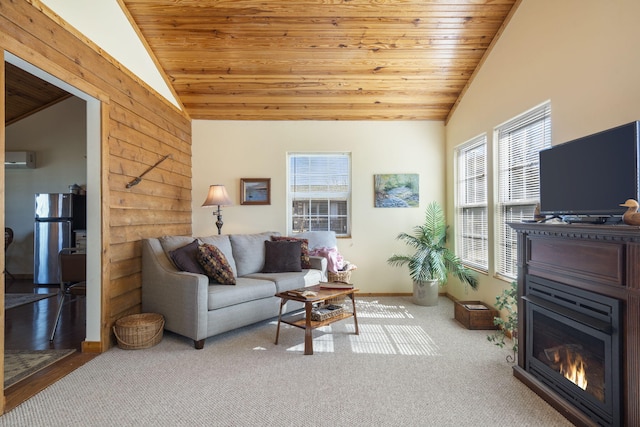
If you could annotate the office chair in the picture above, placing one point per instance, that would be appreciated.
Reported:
(73, 274)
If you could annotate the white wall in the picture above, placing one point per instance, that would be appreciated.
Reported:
(579, 54)
(58, 136)
(105, 24)
(225, 151)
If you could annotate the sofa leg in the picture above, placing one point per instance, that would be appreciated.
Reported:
(198, 344)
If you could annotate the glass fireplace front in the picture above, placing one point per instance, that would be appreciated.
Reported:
(573, 346)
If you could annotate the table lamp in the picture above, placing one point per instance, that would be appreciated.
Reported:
(217, 197)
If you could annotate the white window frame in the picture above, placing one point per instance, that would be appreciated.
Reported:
(518, 143)
(472, 222)
(335, 186)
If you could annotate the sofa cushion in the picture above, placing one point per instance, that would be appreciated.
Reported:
(215, 264)
(248, 251)
(288, 281)
(245, 290)
(304, 247)
(185, 258)
(319, 239)
(282, 256)
(171, 243)
(222, 242)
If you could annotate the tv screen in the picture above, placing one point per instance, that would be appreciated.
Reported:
(591, 176)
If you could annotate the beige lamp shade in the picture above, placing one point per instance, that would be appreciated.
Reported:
(217, 196)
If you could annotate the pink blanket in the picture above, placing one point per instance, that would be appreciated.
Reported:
(335, 262)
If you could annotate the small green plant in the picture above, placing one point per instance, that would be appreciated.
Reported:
(507, 300)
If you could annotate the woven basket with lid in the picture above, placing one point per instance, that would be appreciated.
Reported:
(138, 331)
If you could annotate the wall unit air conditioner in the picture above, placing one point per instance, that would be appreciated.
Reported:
(19, 160)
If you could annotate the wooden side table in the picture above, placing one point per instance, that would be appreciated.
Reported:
(324, 292)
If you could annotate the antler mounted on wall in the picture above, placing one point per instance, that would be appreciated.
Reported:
(137, 179)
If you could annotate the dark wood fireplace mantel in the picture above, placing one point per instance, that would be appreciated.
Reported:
(604, 259)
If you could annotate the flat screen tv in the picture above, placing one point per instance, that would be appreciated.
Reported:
(591, 176)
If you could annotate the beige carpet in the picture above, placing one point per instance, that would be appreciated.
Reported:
(410, 366)
(20, 364)
(16, 300)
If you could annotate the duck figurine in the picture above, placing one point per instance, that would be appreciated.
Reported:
(631, 216)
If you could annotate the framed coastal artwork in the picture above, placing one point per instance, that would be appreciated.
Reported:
(255, 191)
(398, 190)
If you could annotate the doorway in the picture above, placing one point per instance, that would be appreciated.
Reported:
(90, 157)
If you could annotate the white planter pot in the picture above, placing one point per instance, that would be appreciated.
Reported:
(426, 293)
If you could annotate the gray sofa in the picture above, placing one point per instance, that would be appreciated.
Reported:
(198, 308)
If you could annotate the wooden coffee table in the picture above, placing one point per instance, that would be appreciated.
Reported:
(325, 291)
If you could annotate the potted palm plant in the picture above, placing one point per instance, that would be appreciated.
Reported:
(432, 261)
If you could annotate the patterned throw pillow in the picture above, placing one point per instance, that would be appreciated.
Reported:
(304, 248)
(215, 264)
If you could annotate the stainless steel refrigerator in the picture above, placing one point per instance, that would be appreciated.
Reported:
(57, 215)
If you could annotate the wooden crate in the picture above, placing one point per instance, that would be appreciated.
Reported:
(472, 316)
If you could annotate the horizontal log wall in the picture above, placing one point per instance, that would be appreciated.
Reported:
(138, 129)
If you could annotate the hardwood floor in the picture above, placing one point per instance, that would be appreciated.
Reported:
(28, 327)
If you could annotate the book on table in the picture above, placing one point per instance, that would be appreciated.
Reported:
(302, 293)
(335, 285)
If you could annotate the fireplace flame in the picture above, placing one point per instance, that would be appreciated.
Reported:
(574, 368)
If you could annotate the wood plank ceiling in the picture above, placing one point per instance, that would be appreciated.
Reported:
(318, 59)
(26, 94)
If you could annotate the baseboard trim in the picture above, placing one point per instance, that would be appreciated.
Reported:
(91, 347)
(382, 294)
(398, 294)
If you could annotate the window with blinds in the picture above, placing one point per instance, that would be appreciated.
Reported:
(519, 142)
(319, 192)
(472, 223)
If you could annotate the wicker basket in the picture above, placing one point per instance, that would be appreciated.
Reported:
(138, 331)
(319, 314)
(340, 276)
